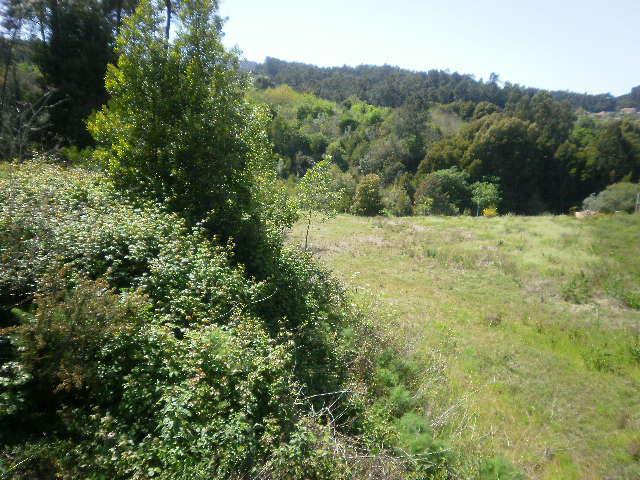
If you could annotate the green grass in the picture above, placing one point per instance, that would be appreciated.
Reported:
(528, 330)
(4, 169)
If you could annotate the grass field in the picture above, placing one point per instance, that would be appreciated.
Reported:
(528, 329)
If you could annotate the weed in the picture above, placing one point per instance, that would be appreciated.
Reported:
(577, 289)
(634, 449)
(493, 320)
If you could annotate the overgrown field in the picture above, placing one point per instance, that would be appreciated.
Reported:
(529, 329)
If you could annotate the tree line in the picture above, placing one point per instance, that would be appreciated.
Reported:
(539, 152)
(393, 86)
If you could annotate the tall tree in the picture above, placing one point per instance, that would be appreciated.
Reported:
(73, 61)
(178, 127)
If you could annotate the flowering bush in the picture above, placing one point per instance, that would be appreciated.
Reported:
(490, 212)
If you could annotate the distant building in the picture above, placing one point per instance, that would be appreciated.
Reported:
(628, 111)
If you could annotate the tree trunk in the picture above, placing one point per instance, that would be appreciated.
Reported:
(167, 28)
(7, 63)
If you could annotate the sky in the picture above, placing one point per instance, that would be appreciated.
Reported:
(579, 45)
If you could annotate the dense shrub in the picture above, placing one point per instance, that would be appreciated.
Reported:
(619, 197)
(344, 183)
(368, 199)
(397, 201)
(143, 330)
(139, 348)
(448, 190)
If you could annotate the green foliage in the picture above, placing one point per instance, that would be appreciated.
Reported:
(317, 193)
(485, 194)
(141, 348)
(577, 289)
(397, 201)
(423, 205)
(144, 349)
(316, 190)
(368, 199)
(507, 147)
(546, 158)
(78, 80)
(498, 469)
(344, 183)
(619, 197)
(448, 190)
(483, 109)
(392, 86)
(179, 130)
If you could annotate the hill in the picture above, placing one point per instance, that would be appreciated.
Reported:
(390, 86)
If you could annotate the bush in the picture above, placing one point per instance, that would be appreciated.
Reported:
(423, 206)
(344, 183)
(448, 190)
(498, 469)
(368, 200)
(619, 197)
(485, 195)
(142, 349)
(142, 346)
(397, 201)
(490, 212)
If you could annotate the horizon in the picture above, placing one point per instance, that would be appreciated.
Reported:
(579, 47)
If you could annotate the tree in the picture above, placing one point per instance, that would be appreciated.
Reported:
(622, 197)
(507, 147)
(448, 190)
(485, 194)
(368, 200)
(316, 194)
(178, 128)
(483, 109)
(73, 62)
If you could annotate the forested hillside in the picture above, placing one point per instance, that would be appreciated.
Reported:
(429, 140)
(390, 86)
(535, 155)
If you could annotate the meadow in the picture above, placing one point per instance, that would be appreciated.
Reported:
(526, 330)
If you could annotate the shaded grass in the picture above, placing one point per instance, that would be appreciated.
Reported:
(527, 327)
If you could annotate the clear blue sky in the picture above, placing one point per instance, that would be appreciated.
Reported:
(581, 45)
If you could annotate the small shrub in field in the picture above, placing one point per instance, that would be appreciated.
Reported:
(397, 202)
(577, 289)
(368, 199)
(634, 449)
(635, 350)
(498, 469)
(630, 298)
(600, 359)
(423, 206)
(490, 212)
